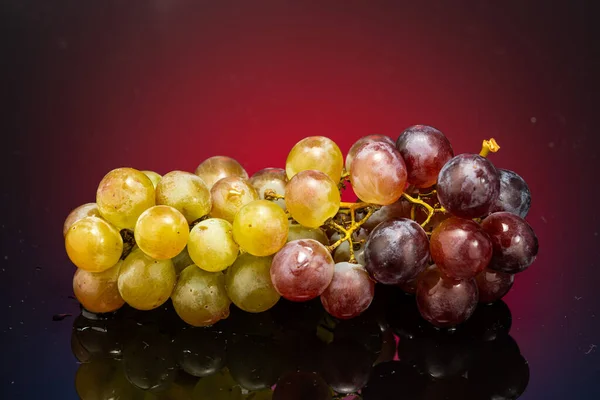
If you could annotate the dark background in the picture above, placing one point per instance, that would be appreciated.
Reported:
(162, 85)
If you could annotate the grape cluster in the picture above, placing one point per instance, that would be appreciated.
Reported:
(447, 228)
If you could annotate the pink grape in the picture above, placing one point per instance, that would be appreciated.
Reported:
(350, 292)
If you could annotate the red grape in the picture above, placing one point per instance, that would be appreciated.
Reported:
(514, 241)
(425, 150)
(468, 185)
(460, 248)
(399, 209)
(397, 250)
(445, 302)
(302, 270)
(361, 142)
(515, 196)
(493, 285)
(350, 292)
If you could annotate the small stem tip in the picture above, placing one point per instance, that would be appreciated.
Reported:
(489, 146)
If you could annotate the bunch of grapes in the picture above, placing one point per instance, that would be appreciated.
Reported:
(449, 229)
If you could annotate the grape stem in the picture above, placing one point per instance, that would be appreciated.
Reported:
(270, 194)
(488, 146)
(354, 226)
(418, 202)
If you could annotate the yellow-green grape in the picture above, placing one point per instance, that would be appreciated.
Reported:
(219, 386)
(93, 244)
(311, 197)
(200, 298)
(98, 291)
(123, 195)
(315, 153)
(298, 231)
(216, 168)
(154, 177)
(260, 228)
(85, 210)
(229, 195)
(248, 283)
(186, 192)
(274, 179)
(145, 283)
(182, 260)
(211, 245)
(161, 232)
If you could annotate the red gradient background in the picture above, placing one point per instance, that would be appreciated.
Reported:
(163, 85)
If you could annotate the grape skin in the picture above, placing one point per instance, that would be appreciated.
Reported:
(216, 168)
(460, 248)
(211, 245)
(145, 283)
(229, 195)
(153, 176)
(248, 283)
(362, 141)
(185, 192)
(302, 270)
(514, 241)
(84, 210)
(260, 228)
(445, 302)
(425, 150)
(514, 196)
(378, 173)
(161, 232)
(399, 209)
(123, 195)
(93, 244)
(200, 297)
(270, 178)
(312, 197)
(350, 292)
(316, 153)
(98, 292)
(397, 251)
(493, 285)
(297, 231)
(182, 260)
(468, 185)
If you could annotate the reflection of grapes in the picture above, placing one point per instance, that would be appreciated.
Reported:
(254, 362)
(346, 365)
(200, 352)
(301, 386)
(219, 386)
(103, 379)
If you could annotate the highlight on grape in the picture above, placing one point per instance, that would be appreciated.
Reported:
(450, 230)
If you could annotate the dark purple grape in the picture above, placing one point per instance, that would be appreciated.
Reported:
(514, 197)
(425, 151)
(468, 185)
(399, 209)
(514, 241)
(301, 386)
(350, 292)
(460, 248)
(493, 285)
(445, 302)
(397, 251)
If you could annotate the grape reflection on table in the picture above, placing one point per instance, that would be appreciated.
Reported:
(296, 351)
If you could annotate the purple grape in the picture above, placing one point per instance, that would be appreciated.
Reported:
(514, 197)
(397, 250)
(493, 285)
(514, 241)
(350, 292)
(468, 185)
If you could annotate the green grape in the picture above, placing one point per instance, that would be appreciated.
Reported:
(85, 210)
(200, 298)
(161, 232)
(123, 195)
(93, 244)
(145, 283)
(182, 260)
(211, 245)
(298, 231)
(153, 176)
(219, 386)
(260, 228)
(98, 291)
(312, 197)
(315, 153)
(186, 192)
(270, 178)
(103, 379)
(215, 168)
(248, 283)
(229, 195)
